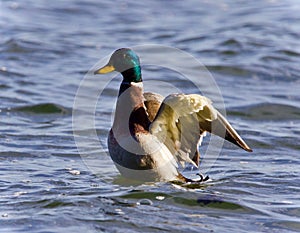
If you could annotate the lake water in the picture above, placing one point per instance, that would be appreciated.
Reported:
(252, 49)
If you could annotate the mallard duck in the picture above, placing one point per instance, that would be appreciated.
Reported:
(151, 135)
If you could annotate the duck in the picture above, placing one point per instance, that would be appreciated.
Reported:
(152, 136)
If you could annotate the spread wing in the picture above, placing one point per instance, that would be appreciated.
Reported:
(152, 103)
(182, 120)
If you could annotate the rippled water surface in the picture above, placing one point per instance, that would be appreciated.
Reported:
(252, 50)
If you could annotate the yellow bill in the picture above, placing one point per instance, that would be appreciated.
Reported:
(105, 69)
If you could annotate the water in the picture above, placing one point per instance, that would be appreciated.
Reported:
(252, 50)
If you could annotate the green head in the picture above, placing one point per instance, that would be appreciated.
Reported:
(126, 62)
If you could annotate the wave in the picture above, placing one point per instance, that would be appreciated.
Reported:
(267, 111)
(45, 108)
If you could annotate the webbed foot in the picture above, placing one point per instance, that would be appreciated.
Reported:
(188, 180)
(202, 178)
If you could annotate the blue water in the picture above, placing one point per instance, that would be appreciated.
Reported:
(252, 49)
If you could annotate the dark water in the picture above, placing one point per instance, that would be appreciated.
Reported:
(46, 47)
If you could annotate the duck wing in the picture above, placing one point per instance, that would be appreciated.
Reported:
(152, 103)
(181, 122)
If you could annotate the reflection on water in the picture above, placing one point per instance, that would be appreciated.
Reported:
(251, 49)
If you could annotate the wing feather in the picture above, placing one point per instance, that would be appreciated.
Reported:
(152, 103)
(182, 120)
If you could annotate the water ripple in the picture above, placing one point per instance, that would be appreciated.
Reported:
(267, 112)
